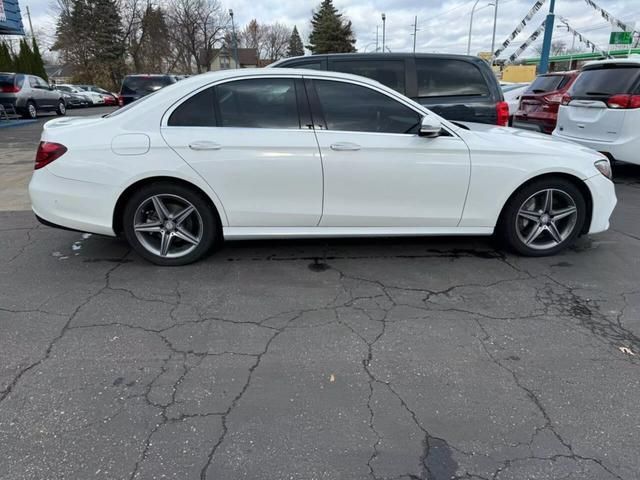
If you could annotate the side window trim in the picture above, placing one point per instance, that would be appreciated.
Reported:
(317, 114)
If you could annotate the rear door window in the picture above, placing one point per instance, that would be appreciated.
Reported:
(196, 111)
(604, 82)
(444, 77)
(547, 83)
(388, 72)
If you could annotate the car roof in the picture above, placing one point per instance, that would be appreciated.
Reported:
(632, 60)
(380, 56)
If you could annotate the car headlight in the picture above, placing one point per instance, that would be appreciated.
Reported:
(604, 167)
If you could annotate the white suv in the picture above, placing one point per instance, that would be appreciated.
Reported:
(602, 109)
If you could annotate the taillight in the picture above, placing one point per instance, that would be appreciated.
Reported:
(120, 101)
(624, 101)
(502, 114)
(48, 152)
(10, 88)
(566, 99)
(553, 98)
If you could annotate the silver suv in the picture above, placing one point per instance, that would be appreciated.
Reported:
(29, 94)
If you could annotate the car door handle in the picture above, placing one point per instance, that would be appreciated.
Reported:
(345, 146)
(204, 145)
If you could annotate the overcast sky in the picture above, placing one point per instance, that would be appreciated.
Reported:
(443, 24)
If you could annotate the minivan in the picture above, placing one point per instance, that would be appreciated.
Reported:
(28, 95)
(602, 109)
(457, 87)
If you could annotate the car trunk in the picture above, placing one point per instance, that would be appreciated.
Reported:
(543, 94)
(591, 111)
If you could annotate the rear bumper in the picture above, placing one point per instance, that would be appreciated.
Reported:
(72, 204)
(540, 122)
(604, 201)
(625, 150)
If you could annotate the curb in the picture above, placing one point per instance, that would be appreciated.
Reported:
(15, 123)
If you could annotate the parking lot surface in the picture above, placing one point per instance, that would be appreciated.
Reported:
(341, 359)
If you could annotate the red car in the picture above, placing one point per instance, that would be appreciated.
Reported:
(110, 99)
(539, 104)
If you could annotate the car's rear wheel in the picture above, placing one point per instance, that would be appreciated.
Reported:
(30, 110)
(169, 224)
(543, 217)
(62, 108)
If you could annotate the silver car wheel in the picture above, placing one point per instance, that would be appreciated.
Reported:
(33, 113)
(168, 226)
(546, 219)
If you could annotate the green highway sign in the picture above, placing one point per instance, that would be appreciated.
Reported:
(621, 38)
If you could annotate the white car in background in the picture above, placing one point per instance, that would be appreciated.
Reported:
(94, 98)
(602, 109)
(512, 93)
(278, 153)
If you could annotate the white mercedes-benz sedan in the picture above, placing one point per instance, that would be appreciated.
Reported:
(269, 153)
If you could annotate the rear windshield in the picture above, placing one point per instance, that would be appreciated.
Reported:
(444, 77)
(605, 81)
(6, 80)
(547, 83)
(144, 85)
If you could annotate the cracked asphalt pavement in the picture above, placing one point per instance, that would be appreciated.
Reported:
(379, 359)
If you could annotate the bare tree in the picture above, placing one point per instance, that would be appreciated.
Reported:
(276, 41)
(197, 27)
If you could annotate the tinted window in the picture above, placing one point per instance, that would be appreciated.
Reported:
(6, 80)
(387, 72)
(547, 83)
(309, 65)
(196, 111)
(441, 77)
(359, 109)
(258, 103)
(33, 81)
(605, 81)
(143, 85)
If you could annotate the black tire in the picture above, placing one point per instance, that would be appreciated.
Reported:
(204, 220)
(30, 110)
(61, 110)
(514, 226)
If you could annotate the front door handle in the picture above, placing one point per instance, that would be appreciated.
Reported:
(204, 145)
(344, 146)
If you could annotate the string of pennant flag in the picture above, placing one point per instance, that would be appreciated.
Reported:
(536, 7)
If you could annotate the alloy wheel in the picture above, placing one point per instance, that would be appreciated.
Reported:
(546, 219)
(33, 113)
(168, 226)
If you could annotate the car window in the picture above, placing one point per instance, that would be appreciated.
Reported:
(196, 111)
(605, 81)
(444, 77)
(6, 80)
(258, 103)
(387, 72)
(350, 107)
(547, 83)
(308, 65)
(33, 82)
(142, 85)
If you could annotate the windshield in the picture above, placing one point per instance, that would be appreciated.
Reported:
(605, 81)
(144, 85)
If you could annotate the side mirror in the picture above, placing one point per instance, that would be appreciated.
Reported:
(430, 127)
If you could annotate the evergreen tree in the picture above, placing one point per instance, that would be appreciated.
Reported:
(330, 33)
(23, 62)
(6, 59)
(296, 48)
(36, 61)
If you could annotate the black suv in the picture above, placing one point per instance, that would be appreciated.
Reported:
(137, 86)
(457, 87)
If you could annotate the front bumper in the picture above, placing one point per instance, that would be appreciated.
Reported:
(604, 198)
(72, 204)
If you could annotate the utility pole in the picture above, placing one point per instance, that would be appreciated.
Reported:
(30, 25)
(384, 24)
(493, 38)
(235, 39)
(546, 43)
(415, 32)
(377, 28)
(473, 10)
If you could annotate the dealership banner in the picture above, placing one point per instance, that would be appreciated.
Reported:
(536, 7)
(10, 18)
(527, 43)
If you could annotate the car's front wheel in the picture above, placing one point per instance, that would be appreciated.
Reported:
(544, 217)
(169, 224)
(62, 108)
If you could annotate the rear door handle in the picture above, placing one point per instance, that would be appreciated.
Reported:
(343, 146)
(204, 145)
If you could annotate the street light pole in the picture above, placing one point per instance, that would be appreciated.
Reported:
(493, 38)
(377, 47)
(473, 10)
(235, 39)
(384, 23)
(546, 43)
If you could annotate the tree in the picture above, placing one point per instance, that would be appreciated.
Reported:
(149, 41)
(557, 48)
(276, 41)
(37, 65)
(23, 62)
(252, 36)
(6, 59)
(330, 33)
(296, 48)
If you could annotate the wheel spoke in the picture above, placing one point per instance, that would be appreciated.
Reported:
(165, 243)
(160, 207)
(548, 201)
(535, 233)
(553, 230)
(183, 214)
(182, 234)
(565, 212)
(148, 227)
(529, 215)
